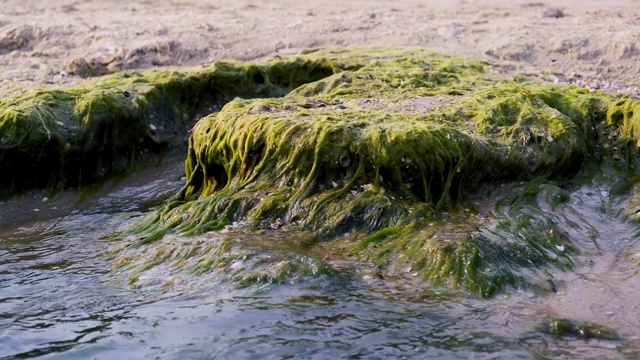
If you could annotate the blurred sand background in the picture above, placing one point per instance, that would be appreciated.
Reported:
(592, 43)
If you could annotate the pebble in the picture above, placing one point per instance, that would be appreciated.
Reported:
(596, 84)
(555, 13)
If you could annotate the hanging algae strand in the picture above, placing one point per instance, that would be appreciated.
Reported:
(390, 146)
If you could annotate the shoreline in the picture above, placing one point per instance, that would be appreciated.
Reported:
(44, 43)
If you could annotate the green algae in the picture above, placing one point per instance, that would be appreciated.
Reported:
(585, 330)
(381, 159)
(480, 253)
(59, 138)
(228, 257)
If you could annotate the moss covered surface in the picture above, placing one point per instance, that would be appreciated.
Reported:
(387, 160)
(58, 138)
(584, 330)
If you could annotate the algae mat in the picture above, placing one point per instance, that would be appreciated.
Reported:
(59, 138)
(425, 166)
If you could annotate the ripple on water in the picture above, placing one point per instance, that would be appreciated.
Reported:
(59, 297)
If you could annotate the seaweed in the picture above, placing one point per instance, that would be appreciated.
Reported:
(59, 138)
(584, 330)
(376, 155)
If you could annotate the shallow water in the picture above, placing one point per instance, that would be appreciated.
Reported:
(61, 298)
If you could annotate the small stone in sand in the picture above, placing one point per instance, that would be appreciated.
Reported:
(555, 13)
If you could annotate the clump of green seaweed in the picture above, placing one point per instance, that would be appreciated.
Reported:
(584, 330)
(380, 160)
(60, 138)
(383, 158)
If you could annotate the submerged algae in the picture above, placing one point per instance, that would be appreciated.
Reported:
(586, 330)
(58, 138)
(235, 257)
(388, 149)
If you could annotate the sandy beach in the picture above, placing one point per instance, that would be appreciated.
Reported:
(593, 44)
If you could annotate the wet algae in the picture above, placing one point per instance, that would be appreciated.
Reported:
(422, 165)
(585, 330)
(61, 138)
(383, 161)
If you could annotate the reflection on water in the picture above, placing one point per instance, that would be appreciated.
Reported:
(59, 297)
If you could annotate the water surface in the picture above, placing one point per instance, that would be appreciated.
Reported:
(61, 298)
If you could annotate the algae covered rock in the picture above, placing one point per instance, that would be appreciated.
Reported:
(68, 137)
(585, 330)
(396, 159)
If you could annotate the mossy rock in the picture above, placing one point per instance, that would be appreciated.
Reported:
(379, 160)
(67, 137)
(584, 330)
